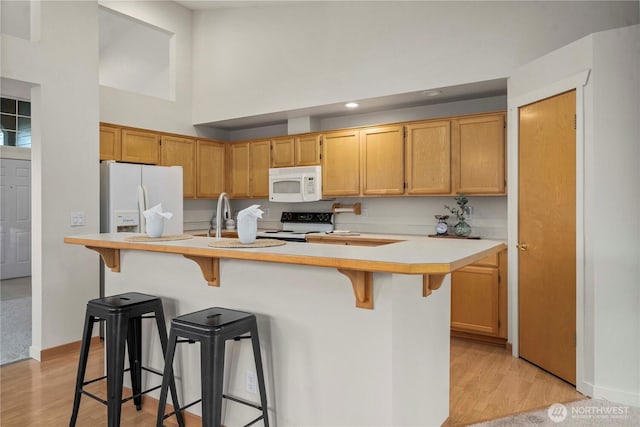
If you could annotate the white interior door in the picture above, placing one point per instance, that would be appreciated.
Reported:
(15, 218)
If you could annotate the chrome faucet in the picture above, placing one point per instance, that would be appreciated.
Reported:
(223, 204)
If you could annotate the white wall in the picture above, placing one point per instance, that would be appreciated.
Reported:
(148, 112)
(64, 177)
(608, 297)
(256, 60)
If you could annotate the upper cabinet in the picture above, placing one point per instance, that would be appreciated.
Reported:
(341, 163)
(175, 151)
(249, 169)
(303, 150)
(428, 158)
(307, 148)
(382, 160)
(210, 169)
(478, 154)
(110, 143)
(140, 146)
(283, 152)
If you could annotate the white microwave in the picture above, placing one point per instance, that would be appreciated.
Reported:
(297, 184)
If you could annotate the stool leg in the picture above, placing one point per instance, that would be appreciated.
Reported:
(134, 348)
(82, 366)
(162, 331)
(255, 341)
(212, 373)
(117, 329)
(166, 379)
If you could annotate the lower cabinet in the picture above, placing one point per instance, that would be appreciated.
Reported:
(479, 300)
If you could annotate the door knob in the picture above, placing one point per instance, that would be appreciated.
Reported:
(522, 246)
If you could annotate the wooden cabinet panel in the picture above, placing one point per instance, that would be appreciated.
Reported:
(238, 169)
(210, 169)
(428, 158)
(341, 163)
(382, 157)
(140, 147)
(176, 151)
(479, 154)
(259, 162)
(474, 300)
(307, 149)
(283, 152)
(110, 144)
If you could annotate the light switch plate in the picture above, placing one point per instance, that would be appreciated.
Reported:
(77, 219)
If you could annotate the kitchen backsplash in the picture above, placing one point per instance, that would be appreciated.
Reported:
(397, 215)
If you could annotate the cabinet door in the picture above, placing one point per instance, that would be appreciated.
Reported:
(140, 147)
(238, 169)
(479, 154)
(428, 158)
(210, 169)
(176, 151)
(307, 150)
(110, 143)
(341, 163)
(382, 157)
(475, 300)
(282, 152)
(259, 169)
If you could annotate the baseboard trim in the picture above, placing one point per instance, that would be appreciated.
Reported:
(150, 406)
(616, 396)
(502, 342)
(64, 349)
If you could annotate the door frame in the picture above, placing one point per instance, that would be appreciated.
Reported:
(578, 82)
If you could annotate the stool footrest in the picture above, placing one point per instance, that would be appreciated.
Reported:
(244, 402)
(93, 396)
(182, 408)
(126, 399)
(254, 421)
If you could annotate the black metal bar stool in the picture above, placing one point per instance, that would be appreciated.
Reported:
(123, 315)
(212, 327)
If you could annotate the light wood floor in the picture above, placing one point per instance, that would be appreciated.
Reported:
(486, 383)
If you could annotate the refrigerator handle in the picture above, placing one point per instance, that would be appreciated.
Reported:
(143, 202)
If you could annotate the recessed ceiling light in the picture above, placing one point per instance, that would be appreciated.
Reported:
(431, 92)
(351, 105)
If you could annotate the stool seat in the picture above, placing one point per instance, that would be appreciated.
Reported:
(123, 316)
(212, 327)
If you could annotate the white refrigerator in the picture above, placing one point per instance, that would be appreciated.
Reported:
(127, 189)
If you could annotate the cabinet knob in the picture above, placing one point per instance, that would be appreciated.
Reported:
(522, 246)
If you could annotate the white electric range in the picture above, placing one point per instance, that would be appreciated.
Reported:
(296, 225)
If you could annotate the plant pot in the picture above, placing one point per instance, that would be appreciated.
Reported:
(462, 229)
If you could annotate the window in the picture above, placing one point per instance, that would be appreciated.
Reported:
(15, 118)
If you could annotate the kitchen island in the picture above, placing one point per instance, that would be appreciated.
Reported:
(383, 360)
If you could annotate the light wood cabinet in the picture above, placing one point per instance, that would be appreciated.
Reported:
(303, 150)
(307, 148)
(341, 163)
(478, 154)
(382, 160)
(238, 186)
(210, 169)
(249, 169)
(110, 144)
(259, 162)
(283, 152)
(175, 151)
(140, 146)
(479, 300)
(428, 158)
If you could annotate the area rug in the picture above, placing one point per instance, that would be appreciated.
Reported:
(582, 413)
(15, 329)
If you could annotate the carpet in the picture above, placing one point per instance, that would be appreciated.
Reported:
(15, 329)
(582, 413)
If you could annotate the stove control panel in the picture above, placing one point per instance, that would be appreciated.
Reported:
(307, 217)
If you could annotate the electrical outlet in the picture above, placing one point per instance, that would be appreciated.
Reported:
(252, 382)
(77, 219)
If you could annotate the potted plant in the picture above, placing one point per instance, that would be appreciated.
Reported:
(462, 228)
